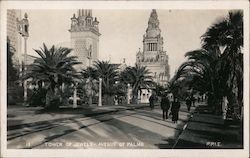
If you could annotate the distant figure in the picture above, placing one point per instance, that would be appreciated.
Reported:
(151, 101)
(188, 103)
(175, 110)
(116, 100)
(165, 104)
(198, 99)
(171, 100)
(193, 100)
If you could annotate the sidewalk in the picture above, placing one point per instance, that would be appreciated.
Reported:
(205, 130)
(19, 117)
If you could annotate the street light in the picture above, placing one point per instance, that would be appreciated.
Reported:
(75, 98)
(128, 94)
(100, 92)
(23, 29)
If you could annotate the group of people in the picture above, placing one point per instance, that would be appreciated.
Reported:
(168, 103)
(174, 107)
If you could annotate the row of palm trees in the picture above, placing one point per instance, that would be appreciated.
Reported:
(115, 81)
(55, 68)
(216, 69)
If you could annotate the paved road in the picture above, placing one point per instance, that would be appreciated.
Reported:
(130, 129)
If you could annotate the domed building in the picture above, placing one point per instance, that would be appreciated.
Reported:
(153, 55)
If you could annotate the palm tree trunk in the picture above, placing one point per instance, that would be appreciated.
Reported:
(90, 100)
(47, 100)
(49, 97)
(106, 99)
(135, 98)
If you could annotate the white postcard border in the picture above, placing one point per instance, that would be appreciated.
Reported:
(124, 5)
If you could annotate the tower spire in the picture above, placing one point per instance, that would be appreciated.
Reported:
(153, 29)
(153, 52)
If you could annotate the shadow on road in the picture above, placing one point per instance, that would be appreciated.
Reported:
(112, 126)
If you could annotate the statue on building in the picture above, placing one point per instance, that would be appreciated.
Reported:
(23, 26)
(74, 21)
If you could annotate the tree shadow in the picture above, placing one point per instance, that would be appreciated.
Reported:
(156, 122)
(13, 122)
(158, 116)
(10, 115)
(29, 130)
(118, 128)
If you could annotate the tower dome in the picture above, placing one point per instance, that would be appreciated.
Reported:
(153, 29)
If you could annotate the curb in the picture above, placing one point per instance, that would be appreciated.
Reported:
(185, 126)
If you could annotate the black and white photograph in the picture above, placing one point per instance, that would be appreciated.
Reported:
(150, 80)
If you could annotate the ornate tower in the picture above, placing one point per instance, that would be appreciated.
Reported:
(85, 37)
(153, 56)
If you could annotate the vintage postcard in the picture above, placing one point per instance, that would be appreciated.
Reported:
(124, 79)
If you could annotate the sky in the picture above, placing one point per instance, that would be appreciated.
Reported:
(122, 31)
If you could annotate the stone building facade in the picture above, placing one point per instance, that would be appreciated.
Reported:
(153, 55)
(85, 34)
(13, 36)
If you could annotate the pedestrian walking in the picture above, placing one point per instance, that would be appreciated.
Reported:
(165, 104)
(171, 100)
(193, 100)
(175, 110)
(188, 103)
(151, 101)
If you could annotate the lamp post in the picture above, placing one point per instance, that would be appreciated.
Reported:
(100, 92)
(75, 98)
(23, 29)
(128, 94)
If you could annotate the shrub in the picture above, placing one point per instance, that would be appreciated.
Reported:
(37, 97)
(14, 95)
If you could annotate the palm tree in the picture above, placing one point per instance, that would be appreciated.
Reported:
(109, 74)
(217, 68)
(90, 78)
(200, 71)
(227, 36)
(139, 78)
(53, 67)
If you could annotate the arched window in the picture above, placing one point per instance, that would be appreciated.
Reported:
(26, 28)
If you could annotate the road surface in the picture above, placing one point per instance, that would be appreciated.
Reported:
(125, 129)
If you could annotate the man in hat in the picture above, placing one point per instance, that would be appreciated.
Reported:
(165, 105)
